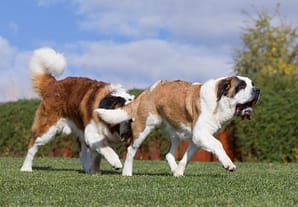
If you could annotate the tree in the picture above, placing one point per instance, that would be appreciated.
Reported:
(269, 52)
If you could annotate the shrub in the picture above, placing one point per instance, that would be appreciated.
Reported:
(272, 133)
(15, 131)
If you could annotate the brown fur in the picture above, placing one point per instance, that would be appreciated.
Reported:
(174, 101)
(226, 87)
(71, 98)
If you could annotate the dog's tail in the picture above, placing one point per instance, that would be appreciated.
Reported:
(45, 62)
(116, 116)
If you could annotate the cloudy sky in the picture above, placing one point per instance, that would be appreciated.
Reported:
(132, 42)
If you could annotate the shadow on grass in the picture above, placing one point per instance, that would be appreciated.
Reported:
(48, 168)
(164, 174)
(118, 172)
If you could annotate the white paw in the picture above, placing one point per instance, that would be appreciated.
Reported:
(126, 174)
(172, 163)
(26, 169)
(230, 167)
(126, 171)
(179, 170)
(117, 165)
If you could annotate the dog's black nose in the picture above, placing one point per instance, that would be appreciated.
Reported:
(256, 91)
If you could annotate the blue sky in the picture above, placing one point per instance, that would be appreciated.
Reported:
(132, 42)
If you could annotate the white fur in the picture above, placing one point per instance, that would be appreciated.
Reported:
(112, 116)
(47, 60)
(95, 139)
(151, 122)
(155, 84)
(40, 141)
(246, 94)
(118, 90)
(65, 127)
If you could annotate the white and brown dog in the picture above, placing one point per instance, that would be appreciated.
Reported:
(187, 111)
(68, 105)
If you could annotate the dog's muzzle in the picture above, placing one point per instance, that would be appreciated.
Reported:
(245, 110)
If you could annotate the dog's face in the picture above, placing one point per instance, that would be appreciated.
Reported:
(241, 91)
(122, 131)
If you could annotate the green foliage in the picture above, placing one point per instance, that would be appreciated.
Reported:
(15, 131)
(272, 134)
(59, 182)
(15, 134)
(135, 91)
(269, 55)
(269, 52)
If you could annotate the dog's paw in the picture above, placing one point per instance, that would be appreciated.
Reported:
(26, 169)
(179, 170)
(117, 165)
(127, 174)
(230, 167)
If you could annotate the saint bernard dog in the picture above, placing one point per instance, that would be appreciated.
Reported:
(68, 105)
(187, 111)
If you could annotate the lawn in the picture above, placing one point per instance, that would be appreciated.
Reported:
(60, 182)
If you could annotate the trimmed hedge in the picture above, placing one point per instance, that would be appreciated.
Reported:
(272, 134)
(16, 119)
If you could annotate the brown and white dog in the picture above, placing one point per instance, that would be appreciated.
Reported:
(187, 111)
(68, 105)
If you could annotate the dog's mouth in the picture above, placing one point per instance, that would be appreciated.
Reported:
(245, 110)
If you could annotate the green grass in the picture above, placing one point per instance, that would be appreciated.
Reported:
(60, 182)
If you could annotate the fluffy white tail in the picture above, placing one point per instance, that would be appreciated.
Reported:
(113, 116)
(47, 61)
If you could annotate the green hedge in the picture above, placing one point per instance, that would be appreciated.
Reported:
(272, 134)
(16, 119)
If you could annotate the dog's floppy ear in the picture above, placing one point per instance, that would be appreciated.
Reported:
(223, 88)
(111, 102)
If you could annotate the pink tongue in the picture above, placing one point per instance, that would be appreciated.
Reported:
(238, 110)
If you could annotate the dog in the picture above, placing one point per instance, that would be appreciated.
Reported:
(68, 105)
(187, 111)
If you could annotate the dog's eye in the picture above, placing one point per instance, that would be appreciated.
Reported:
(252, 83)
(241, 85)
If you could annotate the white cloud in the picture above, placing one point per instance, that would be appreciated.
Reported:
(142, 41)
(14, 73)
(187, 21)
(141, 63)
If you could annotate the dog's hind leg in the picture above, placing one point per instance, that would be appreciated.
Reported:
(172, 152)
(190, 151)
(40, 139)
(85, 157)
(95, 160)
(141, 132)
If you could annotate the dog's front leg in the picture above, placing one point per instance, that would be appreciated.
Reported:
(211, 144)
(97, 142)
(85, 157)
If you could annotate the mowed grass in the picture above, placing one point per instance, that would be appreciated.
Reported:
(60, 182)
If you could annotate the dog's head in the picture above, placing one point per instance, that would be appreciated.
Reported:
(121, 131)
(242, 91)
